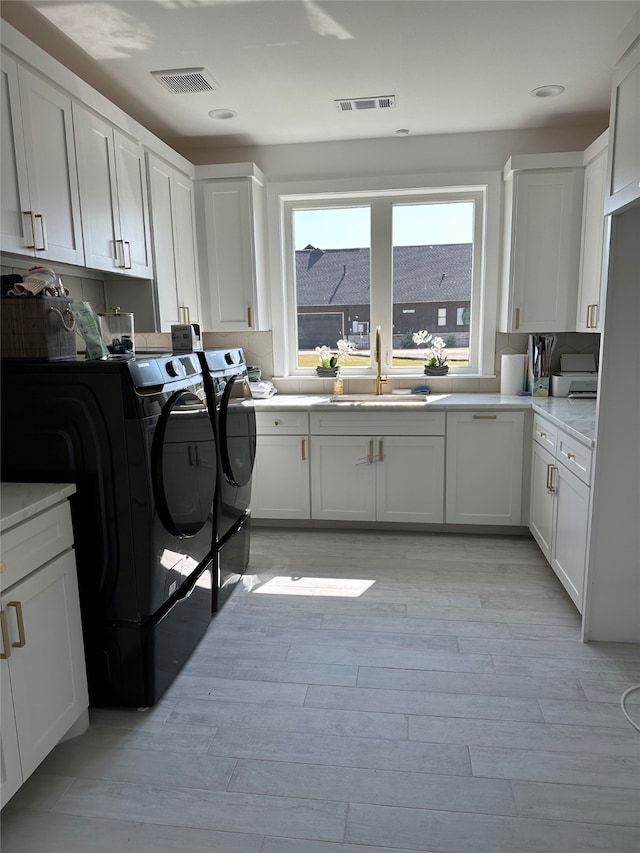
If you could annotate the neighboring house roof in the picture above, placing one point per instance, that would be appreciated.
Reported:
(341, 276)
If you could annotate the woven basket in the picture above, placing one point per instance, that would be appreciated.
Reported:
(37, 327)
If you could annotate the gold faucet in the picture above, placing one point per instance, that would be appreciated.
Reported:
(379, 378)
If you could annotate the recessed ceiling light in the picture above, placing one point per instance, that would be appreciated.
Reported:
(547, 91)
(402, 131)
(223, 115)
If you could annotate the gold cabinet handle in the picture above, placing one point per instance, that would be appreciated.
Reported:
(304, 449)
(21, 637)
(32, 217)
(3, 566)
(249, 317)
(571, 456)
(592, 315)
(370, 456)
(6, 645)
(121, 266)
(380, 450)
(485, 417)
(43, 229)
(127, 265)
(542, 434)
(550, 486)
(276, 423)
(516, 319)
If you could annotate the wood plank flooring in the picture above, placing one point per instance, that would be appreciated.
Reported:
(364, 692)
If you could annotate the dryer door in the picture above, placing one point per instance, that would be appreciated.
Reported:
(237, 436)
(184, 469)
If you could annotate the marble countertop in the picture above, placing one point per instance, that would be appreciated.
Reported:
(20, 501)
(577, 417)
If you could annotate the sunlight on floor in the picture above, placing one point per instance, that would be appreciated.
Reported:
(335, 587)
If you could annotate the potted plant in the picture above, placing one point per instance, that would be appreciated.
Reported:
(436, 359)
(329, 362)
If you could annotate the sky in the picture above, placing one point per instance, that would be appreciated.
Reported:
(413, 225)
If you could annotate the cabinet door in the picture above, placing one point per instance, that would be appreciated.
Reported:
(98, 191)
(280, 481)
(484, 468)
(343, 477)
(593, 271)
(230, 256)
(133, 205)
(48, 676)
(410, 479)
(10, 769)
(542, 498)
(624, 161)
(184, 237)
(51, 167)
(162, 231)
(569, 551)
(545, 247)
(16, 227)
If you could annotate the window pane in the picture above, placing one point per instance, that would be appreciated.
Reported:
(332, 281)
(432, 278)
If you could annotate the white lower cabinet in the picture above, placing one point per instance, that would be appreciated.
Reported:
(395, 475)
(484, 468)
(280, 482)
(44, 685)
(560, 508)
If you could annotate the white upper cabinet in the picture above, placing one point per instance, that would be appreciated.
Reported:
(594, 253)
(40, 202)
(541, 250)
(173, 238)
(113, 194)
(232, 249)
(623, 177)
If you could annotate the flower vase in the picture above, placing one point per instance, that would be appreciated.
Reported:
(441, 370)
(327, 372)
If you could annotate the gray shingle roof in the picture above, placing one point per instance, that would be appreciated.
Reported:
(341, 276)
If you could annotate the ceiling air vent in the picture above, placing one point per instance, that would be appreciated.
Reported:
(381, 102)
(182, 81)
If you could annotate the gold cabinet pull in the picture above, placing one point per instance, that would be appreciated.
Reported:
(21, 637)
(380, 450)
(516, 319)
(571, 456)
(127, 265)
(3, 566)
(276, 423)
(32, 217)
(485, 417)
(43, 229)
(550, 486)
(249, 317)
(6, 645)
(592, 315)
(370, 456)
(542, 434)
(304, 449)
(122, 265)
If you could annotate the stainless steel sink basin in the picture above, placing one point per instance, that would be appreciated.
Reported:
(381, 399)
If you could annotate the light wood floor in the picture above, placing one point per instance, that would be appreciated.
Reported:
(367, 692)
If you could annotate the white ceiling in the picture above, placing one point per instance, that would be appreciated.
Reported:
(454, 66)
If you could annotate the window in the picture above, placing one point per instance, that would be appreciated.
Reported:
(404, 261)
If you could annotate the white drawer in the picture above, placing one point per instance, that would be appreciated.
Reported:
(34, 542)
(284, 423)
(545, 433)
(575, 456)
(376, 422)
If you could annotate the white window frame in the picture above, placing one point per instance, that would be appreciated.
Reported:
(282, 198)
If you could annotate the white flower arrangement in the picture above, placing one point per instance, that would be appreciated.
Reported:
(328, 359)
(434, 353)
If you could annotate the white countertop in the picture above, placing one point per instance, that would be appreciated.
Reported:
(20, 501)
(577, 417)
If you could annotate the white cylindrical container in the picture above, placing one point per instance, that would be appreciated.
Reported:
(512, 373)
